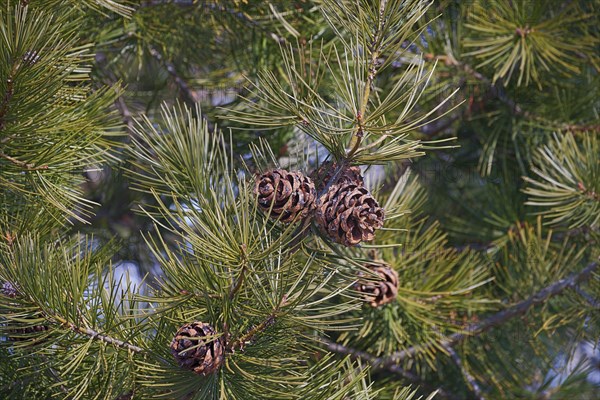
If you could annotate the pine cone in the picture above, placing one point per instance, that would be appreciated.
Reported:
(325, 173)
(349, 214)
(23, 334)
(378, 293)
(203, 355)
(290, 193)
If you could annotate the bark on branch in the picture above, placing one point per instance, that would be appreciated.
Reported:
(497, 319)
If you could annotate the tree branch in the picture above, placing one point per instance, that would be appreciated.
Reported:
(214, 6)
(594, 303)
(8, 94)
(466, 374)
(107, 339)
(120, 104)
(98, 336)
(375, 361)
(372, 71)
(499, 318)
(186, 93)
(22, 164)
(240, 280)
(498, 92)
(270, 320)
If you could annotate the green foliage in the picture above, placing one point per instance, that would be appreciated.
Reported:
(53, 125)
(151, 121)
(531, 38)
(568, 181)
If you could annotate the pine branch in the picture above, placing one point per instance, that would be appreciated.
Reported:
(98, 336)
(359, 133)
(375, 361)
(269, 321)
(214, 6)
(497, 319)
(120, 104)
(466, 374)
(496, 91)
(187, 94)
(240, 279)
(182, 3)
(22, 164)
(56, 377)
(8, 94)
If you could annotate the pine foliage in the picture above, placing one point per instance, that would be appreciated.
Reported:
(140, 133)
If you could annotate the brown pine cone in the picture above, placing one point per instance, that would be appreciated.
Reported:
(194, 351)
(348, 214)
(378, 293)
(291, 194)
(325, 173)
(23, 334)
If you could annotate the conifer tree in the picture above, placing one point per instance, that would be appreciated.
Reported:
(352, 199)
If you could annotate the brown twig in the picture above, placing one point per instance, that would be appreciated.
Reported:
(269, 321)
(373, 63)
(8, 94)
(186, 93)
(374, 361)
(22, 164)
(497, 319)
(214, 6)
(466, 374)
(55, 376)
(98, 336)
(240, 280)
(496, 89)
(593, 302)
(120, 104)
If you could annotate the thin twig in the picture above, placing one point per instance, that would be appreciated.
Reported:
(499, 318)
(496, 89)
(107, 339)
(22, 164)
(98, 336)
(186, 93)
(8, 94)
(374, 361)
(269, 321)
(372, 72)
(240, 280)
(214, 6)
(466, 374)
(120, 104)
(55, 376)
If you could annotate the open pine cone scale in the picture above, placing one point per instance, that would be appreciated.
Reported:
(349, 214)
(291, 193)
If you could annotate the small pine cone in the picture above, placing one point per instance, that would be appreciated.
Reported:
(203, 356)
(23, 334)
(325, 173)
(349, 214)
(378, 293)
(290, 193)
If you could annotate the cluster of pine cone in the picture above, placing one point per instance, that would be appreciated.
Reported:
(343, 208)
